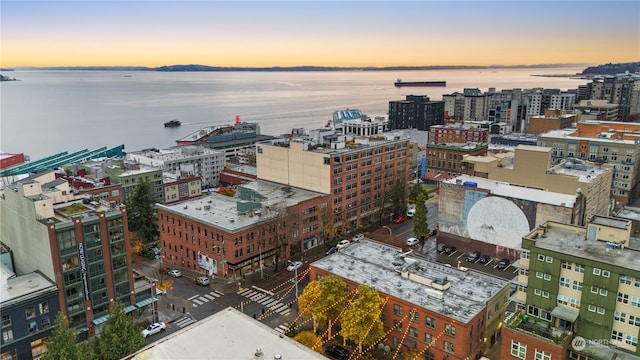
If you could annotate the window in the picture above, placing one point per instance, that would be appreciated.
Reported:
(579, 268)
(577, 285)
(45, 322)
(448, 347)
(43, 307)
(428, 338)
(545, 294)
(539, 274)
(563, 300)
(600, 310)
(526, 254)
(596, 271)
(635, 301)
(606, 273)
(604, 292)
(540, 257)
(430, 322)
(631, 340)
(428, 355)
(7, 335)
(575, 303)
(450, 330)
(565, 264)
(625, 280)
(33, 327)
(518, 349)
(619, 316)
(634, 320)
(541, 355)
(6, 320)
(537, 292)
(623, 298)
(30, 312)
(547, 277)
(397, 325)
(413, 332)
(549, 259)
(413, 316)
(397, 309)
(564, 282)
(616, 335)
(591, 308)
(594, 289)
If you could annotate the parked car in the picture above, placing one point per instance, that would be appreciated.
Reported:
(331, 250)
(357, 237)
(440, 247)
(449, 249)
(412, 241)
(175, 273)
(293, 266)
(165, 270)
(337, 352)
(503, 264)
(398, 219)
(484, 259)
(473, 256)
(411, 212)
(202, 280)
(342, 244)
(154, 329)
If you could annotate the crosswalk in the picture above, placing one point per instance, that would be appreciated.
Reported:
(266, 300)
(198, 300)
(185, 321)
(283, 328)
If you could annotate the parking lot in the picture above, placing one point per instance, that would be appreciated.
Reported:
(458, 258)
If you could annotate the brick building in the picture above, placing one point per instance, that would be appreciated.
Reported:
(445, 161)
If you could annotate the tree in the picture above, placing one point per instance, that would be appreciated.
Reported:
(120, 337)
(308, 300)
(414, 191)
(141, 213)
(334, 298)
(328, 225)
(420, 224)
(399, 196)
(362, 322)
(62, 344)
(309, 339)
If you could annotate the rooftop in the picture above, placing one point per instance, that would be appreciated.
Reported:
(569, 133)
(504, 189)
(458, 294)
(570, 241)
(585, 172)
(227, 334)
(222, 211)
(14, 288)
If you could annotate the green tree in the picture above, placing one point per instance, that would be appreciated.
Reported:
(120, 337)
(141, 213)
(414, 191)
(62, 344)
(310, 340)
(399, 196)
(333, 299)
(362, 322)
(420, 224)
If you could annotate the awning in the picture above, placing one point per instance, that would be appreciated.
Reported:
(100, 320)
(146, 302)
(565, 313)
(130, 308)
(409, 342)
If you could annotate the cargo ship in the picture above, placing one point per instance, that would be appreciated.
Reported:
(400, 83)
(172, 123)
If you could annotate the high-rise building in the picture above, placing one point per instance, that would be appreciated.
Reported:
(80, 243)
(415, 112)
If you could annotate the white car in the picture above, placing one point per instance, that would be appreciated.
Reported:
(343, 244)
(175, 273)
(154, 329)
(293, 266)
(411, 212)
(412, 241)
(357, 237)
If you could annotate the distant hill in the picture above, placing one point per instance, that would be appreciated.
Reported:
(612, 69)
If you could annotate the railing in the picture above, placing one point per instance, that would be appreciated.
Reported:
(536, 329)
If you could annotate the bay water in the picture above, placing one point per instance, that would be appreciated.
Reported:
(47, 112)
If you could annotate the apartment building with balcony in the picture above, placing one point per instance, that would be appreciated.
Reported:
(82, 245)
(190, 160)
(445, 161)
(359, 172)
(614, 143)
(442, 312)
(578, 293)
(262, 225)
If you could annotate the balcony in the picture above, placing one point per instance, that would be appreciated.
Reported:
(538, 328)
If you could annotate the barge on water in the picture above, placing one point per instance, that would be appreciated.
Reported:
(400, 83)
(172, 123)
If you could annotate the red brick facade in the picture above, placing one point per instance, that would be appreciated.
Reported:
(513, 340)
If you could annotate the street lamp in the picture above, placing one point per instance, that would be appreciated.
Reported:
(295, 280)
(261, 271)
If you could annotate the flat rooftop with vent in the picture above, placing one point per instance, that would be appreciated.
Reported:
(458, 294)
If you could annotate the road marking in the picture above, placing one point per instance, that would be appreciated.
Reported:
(198, 302)
(184, 322)
(220, 293)
(257, 297)
(210, 297)
(282, 328)
(268, 302)
(193, 297)
(245, 292)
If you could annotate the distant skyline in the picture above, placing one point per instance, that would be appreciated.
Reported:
(319, 33)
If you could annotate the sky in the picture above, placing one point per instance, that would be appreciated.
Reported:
(321, 33)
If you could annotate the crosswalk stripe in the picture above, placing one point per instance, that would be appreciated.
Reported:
(268, 302)
(193, 297)
(219, 293)
(282, 328)
(215, 294)
(245, 291)
(280, 308)
(184, 322)
(264, 301)
(285, 312)
(257, 297)
(204, 300)
(209, 296)
(275, 305)
(197, 301)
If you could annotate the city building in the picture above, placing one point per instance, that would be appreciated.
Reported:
(236, 175)
(632, 214)
(358, 172)
(230, 236)
(615, 143)
(442, 311)
(182, 189)
(82, 245)
(227, 334)
(597, 110)
(185, 160)
(622, 89)
(531, 166)
(459, 133)
(416, 112)
(513, 140)
(236, 141)
(492, 216)
(10, 160)
(444, 161)
(28, 306)
(577, 282)
(551, 120)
